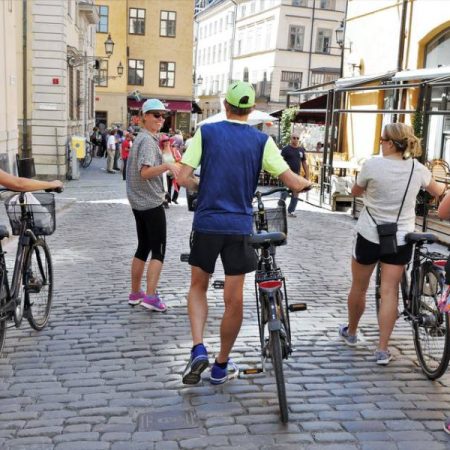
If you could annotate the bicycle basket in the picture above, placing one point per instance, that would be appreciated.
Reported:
(276, 220)
(40, 211)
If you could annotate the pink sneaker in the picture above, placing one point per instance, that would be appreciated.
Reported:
(135, 298)
(153, 302)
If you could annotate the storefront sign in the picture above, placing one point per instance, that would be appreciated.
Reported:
(183, 121)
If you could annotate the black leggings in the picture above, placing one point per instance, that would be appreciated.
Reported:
(151, 233)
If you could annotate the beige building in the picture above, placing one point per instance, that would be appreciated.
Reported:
(8, 86)
(154, 41)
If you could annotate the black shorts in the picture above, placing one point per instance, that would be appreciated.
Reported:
(238, 257)
(367, 252)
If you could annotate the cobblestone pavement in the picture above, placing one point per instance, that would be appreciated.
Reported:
(104, 375)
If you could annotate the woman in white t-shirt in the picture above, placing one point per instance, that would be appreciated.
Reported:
(383, 182)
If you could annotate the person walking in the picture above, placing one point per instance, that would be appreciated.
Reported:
(110, 151)
(389, 185)
(125, 151)
(232, 155)
(145, 191)
(295, 155)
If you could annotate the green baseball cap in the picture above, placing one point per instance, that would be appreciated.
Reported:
(241, 95)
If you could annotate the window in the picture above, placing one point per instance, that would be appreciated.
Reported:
(78, 95)
(166, 74)
(102, 26)
(437, 52)
(296, 37)
(327, 4)
(323, 77)
(213, 54)
(300, 2)
(168, 23)
(323, 40)
(136, 22)
(71, 115)
(252, 8)
(102, 76)
(136, 72)
(290, 81)
(219, 53)
(245, 75)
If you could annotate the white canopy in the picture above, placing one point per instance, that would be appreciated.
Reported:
(255, 118)
(422, 74)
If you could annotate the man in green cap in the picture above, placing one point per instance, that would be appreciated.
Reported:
(231, 154)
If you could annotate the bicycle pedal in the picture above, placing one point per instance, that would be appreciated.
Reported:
(218, 284)
(252, 371)
(184, 257)
(294, 307)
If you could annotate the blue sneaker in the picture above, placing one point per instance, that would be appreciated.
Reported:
(220, 376)
(348, 338)
(196, 365)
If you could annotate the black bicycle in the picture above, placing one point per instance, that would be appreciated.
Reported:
(32, 217)
(86, 161)
(421, 289)
(270, 231)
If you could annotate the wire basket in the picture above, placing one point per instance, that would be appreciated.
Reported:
(276, 220)
(40, 212)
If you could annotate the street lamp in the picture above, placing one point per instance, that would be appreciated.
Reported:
(199, 80)
(75, 60)
(98, 78)
(120, 69)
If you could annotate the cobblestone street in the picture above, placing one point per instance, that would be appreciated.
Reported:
(104, 375)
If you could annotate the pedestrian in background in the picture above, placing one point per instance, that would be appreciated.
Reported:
(110, 151)
(171, 183)
(229, 150)
(390, 185)
(119, 140)
(295, 155)
(145, 191)
(125, 151)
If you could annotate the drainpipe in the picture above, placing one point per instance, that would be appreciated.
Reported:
(25, 150)
(233, 35)
(400, 57)
(311, 41)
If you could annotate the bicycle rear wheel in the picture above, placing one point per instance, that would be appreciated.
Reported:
(277, 363)
(431, 327)
(86, 161)
(38, 285)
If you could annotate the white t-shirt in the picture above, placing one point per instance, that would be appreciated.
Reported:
(385, 181)
(111, 142)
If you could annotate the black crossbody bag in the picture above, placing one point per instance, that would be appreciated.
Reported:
(387, 232)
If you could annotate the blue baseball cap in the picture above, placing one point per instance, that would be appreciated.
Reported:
(153, 104)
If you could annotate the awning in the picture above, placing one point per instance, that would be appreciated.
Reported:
(312, 110)
(422, 74)
(343, 83)
(172, 105)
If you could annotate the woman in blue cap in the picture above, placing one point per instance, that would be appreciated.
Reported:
(145, 191)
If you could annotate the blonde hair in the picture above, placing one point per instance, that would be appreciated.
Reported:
(403, 138)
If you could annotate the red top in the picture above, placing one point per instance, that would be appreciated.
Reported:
(125, 149)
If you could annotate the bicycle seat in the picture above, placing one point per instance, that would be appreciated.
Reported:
(264, 238)
(421, 238)
(4, 233)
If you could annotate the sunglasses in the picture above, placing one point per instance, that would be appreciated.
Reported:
(157, 115)
(295, 138)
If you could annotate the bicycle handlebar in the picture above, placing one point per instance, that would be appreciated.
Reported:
(57, 190)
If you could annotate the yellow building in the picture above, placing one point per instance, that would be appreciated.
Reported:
(404, 42)
(153, 42)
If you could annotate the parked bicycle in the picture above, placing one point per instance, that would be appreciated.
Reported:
(271, 296)
(32, 217)
(86, 161)
(421, 288)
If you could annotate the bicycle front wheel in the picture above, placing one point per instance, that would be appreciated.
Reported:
(86, 161)
(277, 363)
(38, 284)
(431, 327)
(2, 333)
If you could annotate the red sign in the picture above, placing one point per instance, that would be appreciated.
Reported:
(55, 80)
(97, 99)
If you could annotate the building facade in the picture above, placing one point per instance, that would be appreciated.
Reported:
(277, 45)
(154, 44)
(9, 142)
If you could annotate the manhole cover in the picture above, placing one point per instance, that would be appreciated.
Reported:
(167, 420)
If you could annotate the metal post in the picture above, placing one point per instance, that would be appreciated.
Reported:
(25, 151)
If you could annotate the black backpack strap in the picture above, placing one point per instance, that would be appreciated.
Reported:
(404, 195)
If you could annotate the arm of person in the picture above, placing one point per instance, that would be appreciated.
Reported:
(274, 163)
(436, 189)
(148, 172)
(361, 181)
(357, 190)
(26, 184)
(305, 168)
(191, 160)
(444, 207)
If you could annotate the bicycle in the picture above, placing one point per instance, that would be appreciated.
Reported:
(32, 217)
(86, 161)
(421, 288)
(272, 304)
